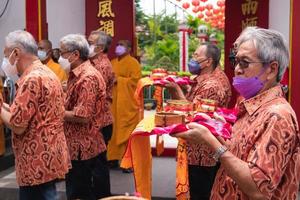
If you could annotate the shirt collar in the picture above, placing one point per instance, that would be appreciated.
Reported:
(253, 104)
(50, 61)
(33, 65)
(77, 71)
(202, 77)
(98, 58)
(126, 56)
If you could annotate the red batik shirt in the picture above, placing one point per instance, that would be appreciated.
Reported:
(85, 96)
(266, 136)
(213, 86)
(41, 152)
(103, 65)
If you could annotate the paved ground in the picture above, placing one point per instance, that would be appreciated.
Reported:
(163, 179)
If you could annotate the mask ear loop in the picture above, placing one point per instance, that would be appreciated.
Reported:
(10, 56)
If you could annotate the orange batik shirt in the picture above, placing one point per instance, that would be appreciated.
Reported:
(266, 136)
(103, 65)
(213, 86)
(85, 96)
(41, 152)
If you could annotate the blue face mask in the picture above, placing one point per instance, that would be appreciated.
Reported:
(194, 67)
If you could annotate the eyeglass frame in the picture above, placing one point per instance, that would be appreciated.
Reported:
(237, 61)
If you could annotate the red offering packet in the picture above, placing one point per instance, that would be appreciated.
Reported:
(230, 115)
(216, 127)
(174, 79)
(173, 129)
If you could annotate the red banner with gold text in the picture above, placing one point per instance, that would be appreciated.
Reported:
(116, 18)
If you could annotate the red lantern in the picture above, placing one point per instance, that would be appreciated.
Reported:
(195, 10)
(220, 3)
(186, 5)
(216, 11)
(209, 6)
(222, 9)
(213, 24)
(195, 2)
(201, 8)
(200, 15)
(208, 13)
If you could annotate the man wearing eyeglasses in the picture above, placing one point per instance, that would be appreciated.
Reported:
(85, 94)
(210, 83)
(262, 160)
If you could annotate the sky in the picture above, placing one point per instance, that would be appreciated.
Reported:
(148, 7)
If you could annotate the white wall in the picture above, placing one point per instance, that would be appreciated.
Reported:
(65, 17)
(279, 17)
(13, 19)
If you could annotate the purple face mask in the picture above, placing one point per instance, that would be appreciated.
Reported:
(120, 50)
(248, 87)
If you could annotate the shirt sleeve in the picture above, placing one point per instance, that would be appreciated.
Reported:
(89, 93)
(25, 103)
(273, 150)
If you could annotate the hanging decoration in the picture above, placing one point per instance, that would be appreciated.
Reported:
(212, 13)
(195, 3)
(186, 5)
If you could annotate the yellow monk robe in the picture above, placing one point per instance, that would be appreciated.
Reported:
(56, 68)
(2, 138)
(124, 107)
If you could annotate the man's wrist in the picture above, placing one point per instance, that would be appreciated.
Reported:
(219, 152)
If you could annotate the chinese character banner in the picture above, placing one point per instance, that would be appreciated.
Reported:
(116, 18)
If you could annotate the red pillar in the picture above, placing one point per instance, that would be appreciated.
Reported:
(36, 19)
(294, 82)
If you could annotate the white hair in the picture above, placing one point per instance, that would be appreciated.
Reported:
(103, 39)
(270, 46)
(22, 40)
(77, 42)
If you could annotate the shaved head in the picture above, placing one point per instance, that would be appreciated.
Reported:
(125, 43)
(45, 45)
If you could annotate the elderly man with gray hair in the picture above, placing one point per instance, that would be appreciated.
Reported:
(262, 159)
(35, 118)
(99, 45)
(89, 176)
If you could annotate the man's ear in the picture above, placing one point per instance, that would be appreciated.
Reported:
(129, 49)
(16, 53)
(100, 47)
(273, 70)
(77, 54)
(209, 62)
